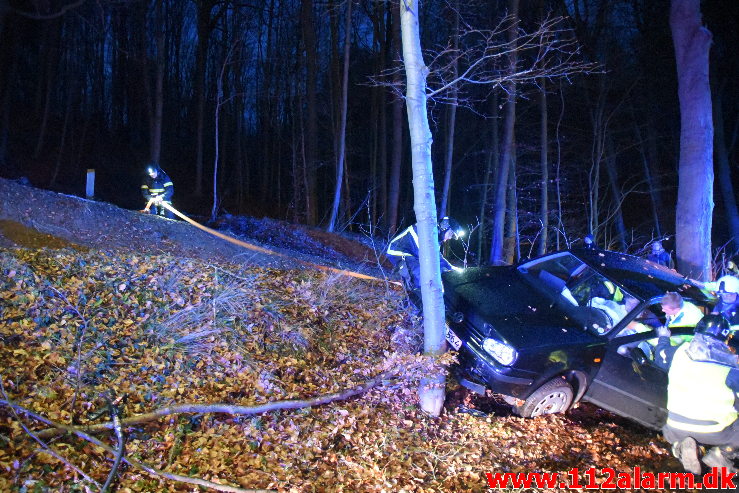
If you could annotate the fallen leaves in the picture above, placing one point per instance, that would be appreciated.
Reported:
(162, 331)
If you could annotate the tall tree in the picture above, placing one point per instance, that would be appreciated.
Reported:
(396, 159)
(452, 117)
(499, 205)
(342, 122)
(311, 118)
(432, 390)
(695, 173)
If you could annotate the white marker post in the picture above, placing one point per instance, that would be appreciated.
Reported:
(90, 188)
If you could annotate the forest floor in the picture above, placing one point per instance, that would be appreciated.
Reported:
(99, 304)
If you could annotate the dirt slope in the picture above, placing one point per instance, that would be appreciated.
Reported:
(35, 218)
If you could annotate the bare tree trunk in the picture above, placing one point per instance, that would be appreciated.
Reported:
(397, 150)
(499, 207)
(544, 163)
(695, 174)
(432, 389)
(344, 109)
(648, 176)
(492, 165)
(156, 126)
(724, 170)
(311, 120)
(201, 53)
(451, 121)
(511, 249)
(612, 170)
(50, 75)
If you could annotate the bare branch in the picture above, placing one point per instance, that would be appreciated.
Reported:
(196, 408)
(45, 447)
(139, 465)
(45, 17)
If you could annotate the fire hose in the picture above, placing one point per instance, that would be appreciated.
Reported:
(257, 248)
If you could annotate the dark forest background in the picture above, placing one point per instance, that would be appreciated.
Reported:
(255, 86)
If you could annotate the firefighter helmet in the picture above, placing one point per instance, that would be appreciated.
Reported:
(714, 325)
(450, 224)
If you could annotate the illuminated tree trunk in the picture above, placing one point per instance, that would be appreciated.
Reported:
(344, 109)
(695, 174)
(432, 389)
(452, 122)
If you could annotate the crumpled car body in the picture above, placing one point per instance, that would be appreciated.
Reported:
(562, 328)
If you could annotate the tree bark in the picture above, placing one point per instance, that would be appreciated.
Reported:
(695, 174)
(432, 389)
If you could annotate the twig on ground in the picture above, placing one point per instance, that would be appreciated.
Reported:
(121, 446)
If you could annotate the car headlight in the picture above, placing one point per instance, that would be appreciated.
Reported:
(502, 352)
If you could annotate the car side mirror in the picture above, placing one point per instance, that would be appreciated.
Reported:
(639, 357)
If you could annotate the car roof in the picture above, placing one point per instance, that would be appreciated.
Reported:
(640, 277)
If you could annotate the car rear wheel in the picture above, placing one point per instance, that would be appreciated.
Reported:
(553, 397)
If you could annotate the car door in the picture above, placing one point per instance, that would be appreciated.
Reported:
(635, 391)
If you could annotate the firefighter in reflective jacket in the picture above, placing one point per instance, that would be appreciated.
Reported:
(158, 187)
(402, 251)
(701, 393)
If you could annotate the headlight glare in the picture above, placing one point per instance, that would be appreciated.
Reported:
(502, 352)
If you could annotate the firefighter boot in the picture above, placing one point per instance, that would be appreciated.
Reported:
(686, 451)
(718, 457)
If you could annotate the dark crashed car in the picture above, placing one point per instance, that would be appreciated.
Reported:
(569, 326)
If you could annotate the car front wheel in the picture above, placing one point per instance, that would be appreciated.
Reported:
(555, 396)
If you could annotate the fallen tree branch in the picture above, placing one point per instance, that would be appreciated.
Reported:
(121, 446)
(230, 408)
(132, 462)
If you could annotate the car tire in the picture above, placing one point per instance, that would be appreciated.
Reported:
(553, 397)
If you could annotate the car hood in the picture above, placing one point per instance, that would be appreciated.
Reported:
(501, 302)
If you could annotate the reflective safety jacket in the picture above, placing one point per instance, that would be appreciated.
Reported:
(159, 186)
(700, 394)
(405, 246)
(688, 316)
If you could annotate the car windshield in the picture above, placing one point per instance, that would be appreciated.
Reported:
(579, 289)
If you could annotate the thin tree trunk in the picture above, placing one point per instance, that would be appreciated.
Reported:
(492, 165)
(432, 389)
(451, 121)
(156, 127)
(397, 150)
(499, 210)
(612, 170)
(544, 164)
(695, 174)
(344, 109)
(311, 119)
(648, 176)
(511, 238)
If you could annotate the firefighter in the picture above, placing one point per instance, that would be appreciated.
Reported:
(158, 187)
(679, 312)
(659, 255)
(703, 379)
(727, 289)
(402, 251)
